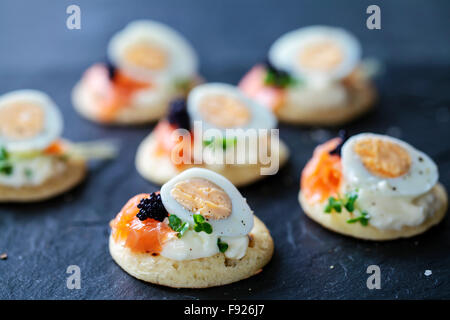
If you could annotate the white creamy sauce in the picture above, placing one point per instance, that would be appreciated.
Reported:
(237, 246)
(195, 245)
(152, 97)
(31, 172)
(329, 94)
(395, 212)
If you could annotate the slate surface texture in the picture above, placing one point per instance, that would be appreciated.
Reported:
(42, 240)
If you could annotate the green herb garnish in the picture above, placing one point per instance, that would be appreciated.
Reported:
(177, 225)
(208, 142)
(184, 228)
(223, 246)
(228, 142)
(183, 85)
(363, 219)
(349, 203)
(201, 225)
(3, 154)
(5, 165)
(6, 168)
(279, 79)
(224, 143)
(333, 204)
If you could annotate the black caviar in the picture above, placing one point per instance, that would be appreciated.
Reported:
(344, 137)
(270, 67)
(152, 207)
(111, 69)
(178, 115)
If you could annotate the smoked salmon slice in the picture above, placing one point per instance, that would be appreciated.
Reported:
(253, 85)
(139, 236)
(115, 92)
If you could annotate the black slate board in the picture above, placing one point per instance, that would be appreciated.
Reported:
(41, 240)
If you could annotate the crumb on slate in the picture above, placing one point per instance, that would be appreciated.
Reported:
(3, 256)
(428, 273)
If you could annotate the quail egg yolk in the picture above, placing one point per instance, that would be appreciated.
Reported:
(383, 158)
(321, 56)
(224, 111)
(147, 56)
(203, 197)
(21, 120)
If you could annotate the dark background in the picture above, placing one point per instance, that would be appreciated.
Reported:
(41, 240)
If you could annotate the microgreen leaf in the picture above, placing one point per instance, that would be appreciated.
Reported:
(177, 225)
(6, 168)
(350, 203)
(198, 228)
(228, 142)
(279, 79)
(184, 227)
(208, 142)
(183, 84)
(201, 225)
(4, 155)
(207, 228)
(224, 143)
(363, 219)
(198, 218)
(333, 204)
(223, 246)
(174, 222)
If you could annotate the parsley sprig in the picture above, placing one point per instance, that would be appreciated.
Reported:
(349, 203)
(177, 225)
(201, 224)
(224, 143)
(5, 164)
(223, 246)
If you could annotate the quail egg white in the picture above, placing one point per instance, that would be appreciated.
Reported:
(223, 106)
(387, 166)
(201, 191)
(149, 50)
(316, 53)
(29, 120)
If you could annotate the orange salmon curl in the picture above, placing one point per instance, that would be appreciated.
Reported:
(322, 175)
